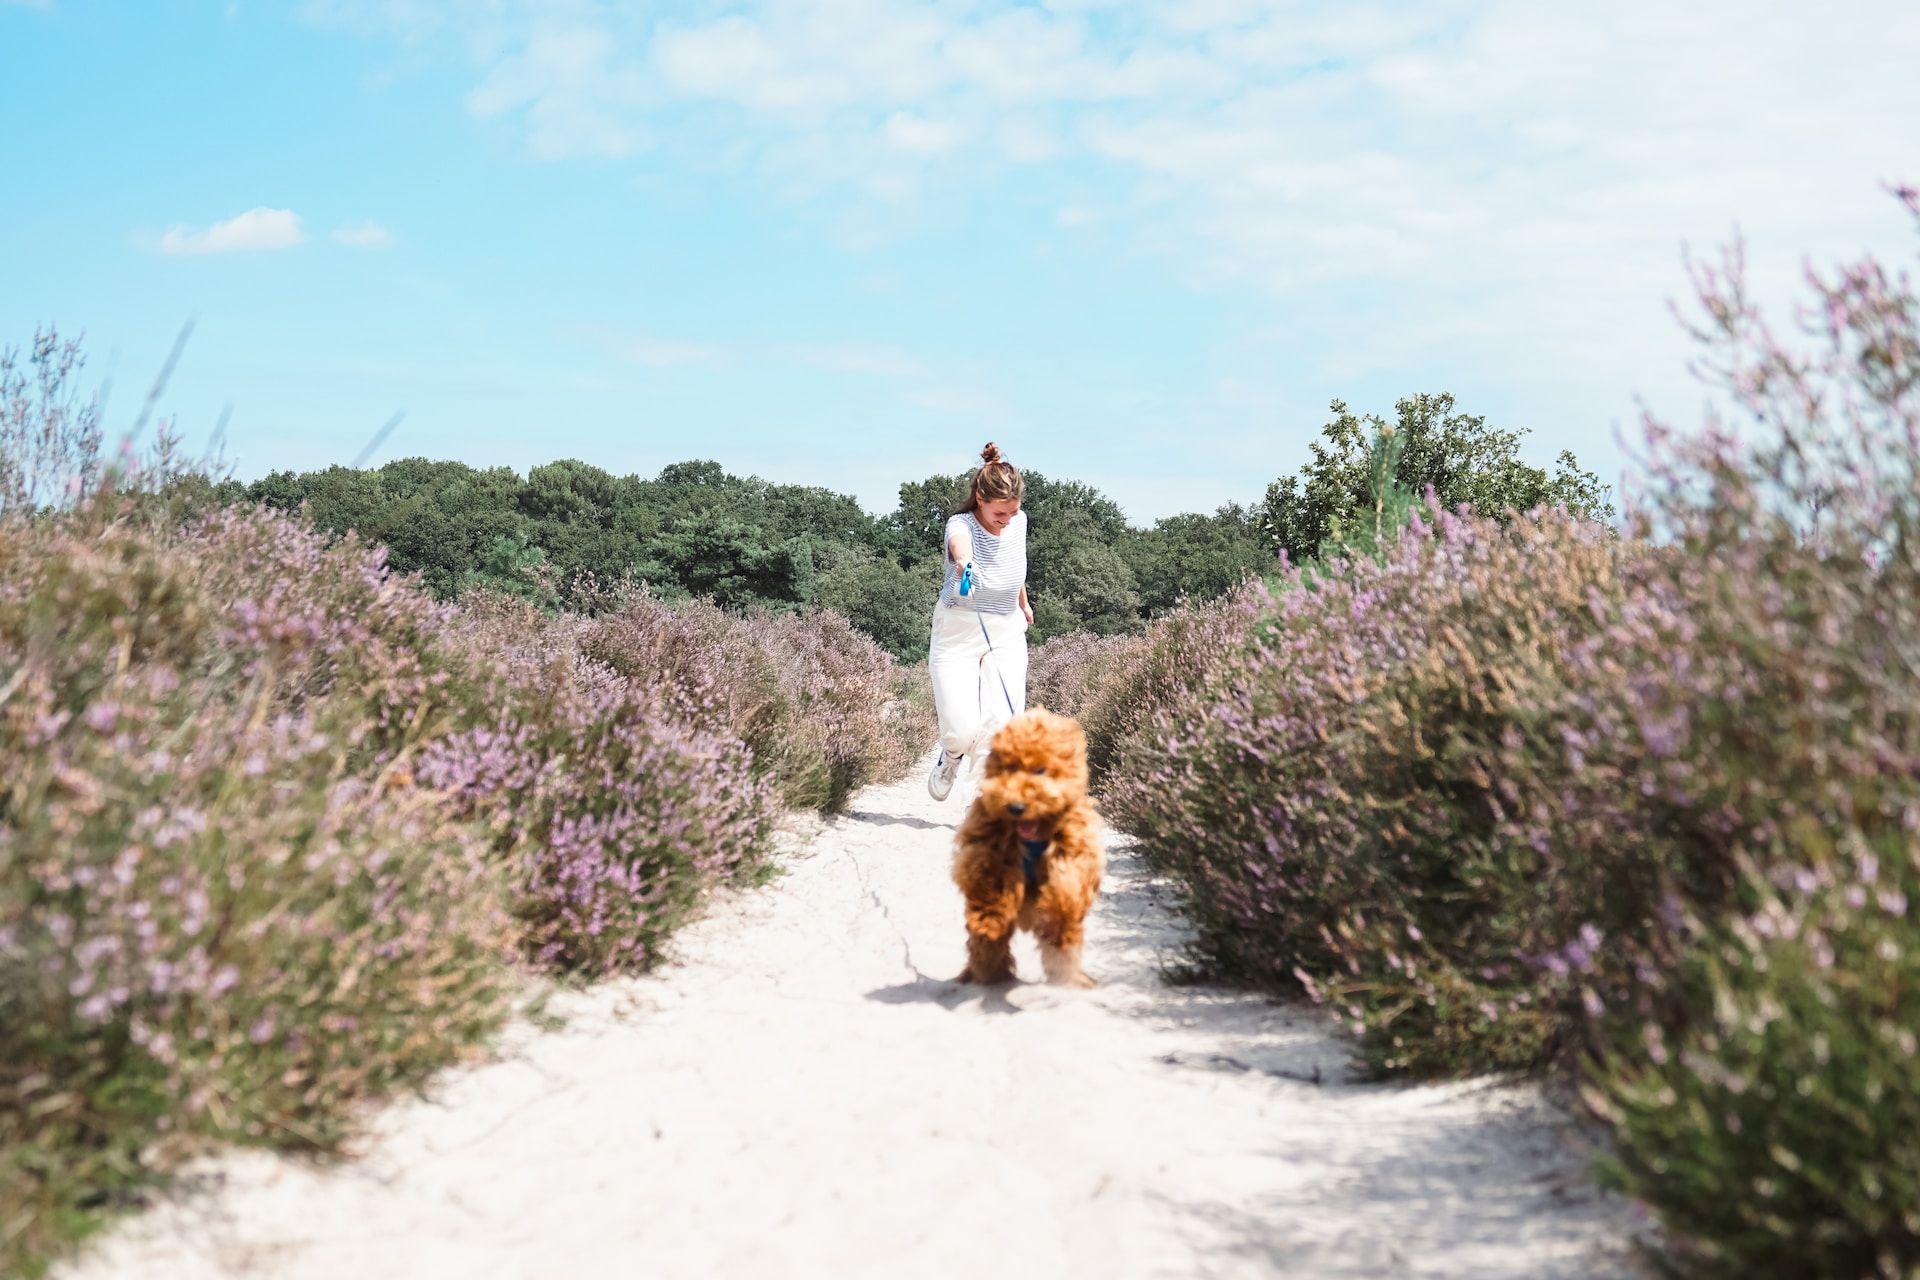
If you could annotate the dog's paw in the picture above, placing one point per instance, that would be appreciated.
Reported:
(1076, 979)
(969, 978)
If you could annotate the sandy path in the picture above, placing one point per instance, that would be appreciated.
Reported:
(800, 1094)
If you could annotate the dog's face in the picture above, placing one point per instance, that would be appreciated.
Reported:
(1035, 773)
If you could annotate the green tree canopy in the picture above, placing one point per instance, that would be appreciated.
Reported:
(697, 529)
(1196, 556)
(1462, 458)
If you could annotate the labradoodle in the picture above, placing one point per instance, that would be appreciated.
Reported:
(1028, 855)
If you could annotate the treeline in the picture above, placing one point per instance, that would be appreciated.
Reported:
(569, 528)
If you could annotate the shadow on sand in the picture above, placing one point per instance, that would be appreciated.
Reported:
(950, 995)
(896, 820)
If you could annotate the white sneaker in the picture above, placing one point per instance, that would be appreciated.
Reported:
(945, 770)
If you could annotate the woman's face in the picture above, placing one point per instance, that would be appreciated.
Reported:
(994, 517)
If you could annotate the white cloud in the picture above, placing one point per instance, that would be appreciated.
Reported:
(367, 234)
(1495, 184)
(1278, 131)
(576, 96)
(961, 400)
(917, 135)
(255, 230)
(664, 353)
(878, 359)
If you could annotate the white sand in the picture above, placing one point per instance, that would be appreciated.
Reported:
(801, 1094)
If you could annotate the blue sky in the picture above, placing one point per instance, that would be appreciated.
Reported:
(845, 242)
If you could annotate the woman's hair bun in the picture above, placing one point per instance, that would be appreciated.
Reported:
(995, 480)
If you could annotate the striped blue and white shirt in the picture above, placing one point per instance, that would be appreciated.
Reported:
(999, 565)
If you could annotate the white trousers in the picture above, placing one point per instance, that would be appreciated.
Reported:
(976, 689)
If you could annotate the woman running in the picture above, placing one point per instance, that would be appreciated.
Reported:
(978, 653)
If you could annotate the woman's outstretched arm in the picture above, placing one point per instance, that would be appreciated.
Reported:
(960, 547)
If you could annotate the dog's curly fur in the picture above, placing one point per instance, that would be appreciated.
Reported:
(1035, 788)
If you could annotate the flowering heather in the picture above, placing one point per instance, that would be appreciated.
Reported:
(614, 815)
(1778, 1132)
(1773, 1124)
(1334, 803)
(224, 913)
(1642, 804)
(824, 709)
(275, 825)
(1124, 688)
(1073, 673)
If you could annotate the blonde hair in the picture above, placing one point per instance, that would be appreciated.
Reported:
(995, 481)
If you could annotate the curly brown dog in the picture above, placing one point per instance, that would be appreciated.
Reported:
(1028, 855)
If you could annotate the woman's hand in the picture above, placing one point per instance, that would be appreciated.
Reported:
(1026, 606)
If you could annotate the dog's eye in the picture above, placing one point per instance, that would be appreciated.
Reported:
(1040, 769)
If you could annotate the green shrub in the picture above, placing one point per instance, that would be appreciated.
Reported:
(1770, 1119)
(275, 824)
(808, 694)
(1779, 1135)
(225, 912)
(1124, 688)
(1645, 808)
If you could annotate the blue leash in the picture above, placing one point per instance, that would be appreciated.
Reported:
(996, 663)
(1032, 852)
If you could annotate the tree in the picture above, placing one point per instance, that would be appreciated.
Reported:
(437, 519)
(1077, 580)
(1096, 589)
(1458, 455)
(570, 492)
(714, 554)
(1049, 502)
(696, 529)
(513, 566)
(917, 526)
(1195, 556)
(872, 591)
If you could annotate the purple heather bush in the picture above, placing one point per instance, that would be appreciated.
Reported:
(224, 913)
(613, 814)
(1638, 804)
(276, 828)
(1373, 802)
(1077, 674)
(1772, 1116)
(823, 708)
(1063, 672)
(1125, 688)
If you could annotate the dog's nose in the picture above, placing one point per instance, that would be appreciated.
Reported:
(1016, 809)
